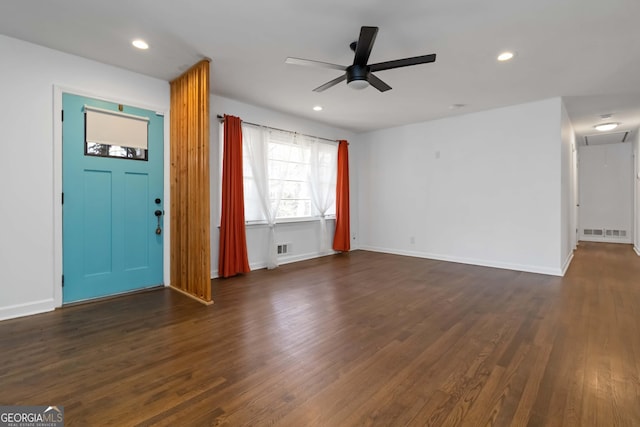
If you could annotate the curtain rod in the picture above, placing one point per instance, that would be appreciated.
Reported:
(221, 118)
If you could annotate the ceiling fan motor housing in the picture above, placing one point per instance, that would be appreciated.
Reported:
(358, 72)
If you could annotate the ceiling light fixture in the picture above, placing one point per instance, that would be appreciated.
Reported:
(317, 108)
(140, 44)
(505, 56)
(606, 126)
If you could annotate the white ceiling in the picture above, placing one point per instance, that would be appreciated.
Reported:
(585, 50)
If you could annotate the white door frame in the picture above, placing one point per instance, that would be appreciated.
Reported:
(576, 195)
(636, 188)
(58, 90)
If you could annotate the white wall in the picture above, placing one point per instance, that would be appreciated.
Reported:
(30, 213)
(606, 190)
(481, 188)
(568, 224)
(303, 236)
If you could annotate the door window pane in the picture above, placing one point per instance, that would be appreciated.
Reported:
(106, 150)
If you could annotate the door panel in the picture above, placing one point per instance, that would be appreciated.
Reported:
(136, 210)
(96, 222)
(606, 193)
(110, 244)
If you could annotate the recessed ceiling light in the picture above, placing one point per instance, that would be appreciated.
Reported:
(606, 126)
(505, 56)
(317, 108)
(140, 44)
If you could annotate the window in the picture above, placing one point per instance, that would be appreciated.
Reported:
(300, 174)
(106, 150)
(288, 171)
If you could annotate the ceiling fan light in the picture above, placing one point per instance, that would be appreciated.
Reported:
(606, 126)
(358, 84)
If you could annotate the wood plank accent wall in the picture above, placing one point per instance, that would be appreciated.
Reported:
(190, 216)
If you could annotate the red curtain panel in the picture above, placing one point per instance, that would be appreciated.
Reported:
(233, 257)
(341, 238)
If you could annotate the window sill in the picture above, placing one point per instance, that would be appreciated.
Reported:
(288, 221)
(257, 224)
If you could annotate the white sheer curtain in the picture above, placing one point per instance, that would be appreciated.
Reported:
(255, 141)
(322, 182)
(267, 183)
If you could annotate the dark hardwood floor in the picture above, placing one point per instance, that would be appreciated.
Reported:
(348, 340)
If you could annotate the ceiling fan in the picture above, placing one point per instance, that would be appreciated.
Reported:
(359, 75)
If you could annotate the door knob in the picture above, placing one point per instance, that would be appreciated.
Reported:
(158, 214)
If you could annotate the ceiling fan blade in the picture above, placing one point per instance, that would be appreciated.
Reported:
(316, 64)
(378, 84)
(364, 45)
(331, 83)
(424, 59)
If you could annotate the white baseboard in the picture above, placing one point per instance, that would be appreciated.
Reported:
(471, 261)
(567, 262)
(291, 259)
(635, 248)
(304, 257)
(282, 260)
(27, 309)
(626, 241)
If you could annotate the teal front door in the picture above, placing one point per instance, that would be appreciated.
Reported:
(112, 183)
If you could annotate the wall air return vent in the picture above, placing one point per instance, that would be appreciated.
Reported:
(593, 232)
(605, 232)
(616, 233)
(283, 248)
